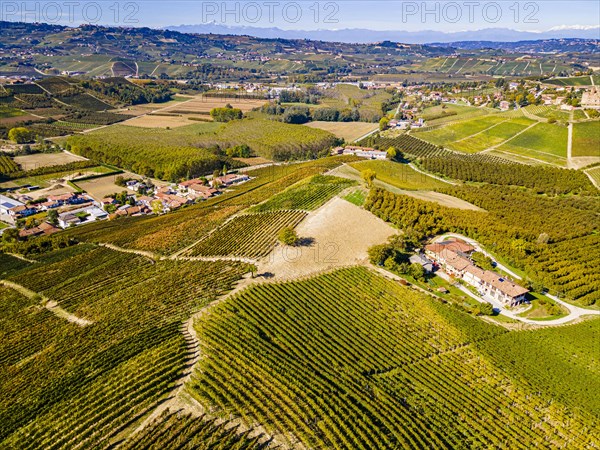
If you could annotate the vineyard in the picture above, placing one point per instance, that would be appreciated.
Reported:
(307, 195)
(250, 235)
(174, 231)
(512, 227)
(393, 370)
(64, 385)
(486, 168)
(7, 165)
(172, 429)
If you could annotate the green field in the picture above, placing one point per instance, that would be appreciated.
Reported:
(460, 130)
(448, 112)
(356, 197)
(492, 136)
(545, 142)
(196, 150)
(586, 139)
(400, 175)
(64, 383)
(247, 235)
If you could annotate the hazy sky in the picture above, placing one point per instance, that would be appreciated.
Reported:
(377, 15)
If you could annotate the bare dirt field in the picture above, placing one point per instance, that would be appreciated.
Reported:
(338, 235)
(30, 162)
(256, 161)
(584, 161)
(159, 121)
(202, 104)
(99, 188)
(350, 131)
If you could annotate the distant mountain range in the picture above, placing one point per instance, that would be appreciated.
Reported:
(357, 35)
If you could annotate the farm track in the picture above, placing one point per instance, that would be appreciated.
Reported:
(570, 146)
(153, 257)
(51, 306)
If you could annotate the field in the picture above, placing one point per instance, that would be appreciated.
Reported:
(545, 142)
(586, 139)
(328, 247)
(349, 131)
(493, 136)
(65, 382)
(203, 104)
(99, 188)
(399, 175)
(448, 112)
(307, 195)
(7, 165)
(163, 121)
(594, 173)
(459, 130)
(186, 151)
(30, 162)
(247, 235)
(9, 113)
(180, 229)
(394, 370)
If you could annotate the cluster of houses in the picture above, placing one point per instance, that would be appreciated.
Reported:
(406, 124)
(362, 152)
(453, 256)
(167, 198)
(23, 206)
(78, 209)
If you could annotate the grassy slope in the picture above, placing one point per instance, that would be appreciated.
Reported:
(400, 175)
(586, 139)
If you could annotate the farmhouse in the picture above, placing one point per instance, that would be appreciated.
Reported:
(453, 257)
(591, 98)
(7, 203)
(365, 152)
(81, 216)
(227, 180)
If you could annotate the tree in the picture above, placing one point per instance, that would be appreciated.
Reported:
(288, 236)
(226, 114)
(392, 153)
(52, 216)
(20, 135)
(368, 176)
(10, 235)
(487, 309)
(120, 181)
(157, 206)
(384, 123)
(417, 271)
(379, 254)
(225, 170)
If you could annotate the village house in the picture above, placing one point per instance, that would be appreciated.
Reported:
(504, 105)
(453, 257)
(229, 179)
(81, 216)
(365, 152)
